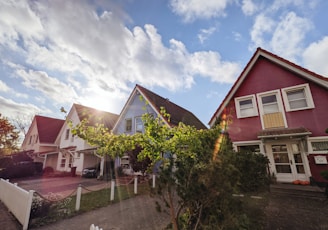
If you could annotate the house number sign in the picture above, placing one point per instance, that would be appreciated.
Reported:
(321, 160)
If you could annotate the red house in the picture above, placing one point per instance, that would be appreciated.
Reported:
(281, 110)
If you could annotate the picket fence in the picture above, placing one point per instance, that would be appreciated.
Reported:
(17, 200)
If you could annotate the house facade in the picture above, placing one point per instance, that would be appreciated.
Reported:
(143, 101)
(75, 152)
(40, 140)
(279, 109)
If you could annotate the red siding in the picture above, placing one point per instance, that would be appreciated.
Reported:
(316, 169)
(266, 76)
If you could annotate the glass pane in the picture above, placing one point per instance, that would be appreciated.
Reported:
(281, 158)
(295, 148)
(295, 95)
(246, 103)
(300, 169)
(320, 146)
(298, 104)
(269, 99)
(298, 158)
(246, 112)
(283, 169)
(271, 108)
(279, 148)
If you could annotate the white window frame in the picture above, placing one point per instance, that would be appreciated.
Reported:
(308, 97)
(238, 109)
(136, 123)
(317, 139)
(279, 101)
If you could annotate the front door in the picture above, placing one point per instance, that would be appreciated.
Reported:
(287, 161)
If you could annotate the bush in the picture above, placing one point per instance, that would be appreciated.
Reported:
(253, 171)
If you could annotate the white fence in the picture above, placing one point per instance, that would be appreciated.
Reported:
(17, 200)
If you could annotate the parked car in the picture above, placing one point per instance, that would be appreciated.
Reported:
(91, 172)
(94, 171)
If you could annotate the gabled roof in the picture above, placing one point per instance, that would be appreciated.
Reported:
(48, 128)
(307, 74)
(96, 116)
(177, 113)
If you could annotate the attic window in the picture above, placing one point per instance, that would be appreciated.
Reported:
(246, 106)
(298, 97)
(67, 134)
(128, 125)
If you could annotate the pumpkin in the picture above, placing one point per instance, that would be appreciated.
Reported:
(305, 182)
(296, 182)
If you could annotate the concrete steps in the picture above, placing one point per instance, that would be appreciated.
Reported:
(306, 191)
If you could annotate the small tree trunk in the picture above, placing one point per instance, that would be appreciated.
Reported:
(172, 211)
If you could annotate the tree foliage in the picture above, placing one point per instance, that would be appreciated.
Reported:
(197, 172)
(9, 137)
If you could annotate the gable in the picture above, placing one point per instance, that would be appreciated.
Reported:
(266, 71)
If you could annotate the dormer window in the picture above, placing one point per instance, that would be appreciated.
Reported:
(297, 97)
(246, 106)
(67, 134)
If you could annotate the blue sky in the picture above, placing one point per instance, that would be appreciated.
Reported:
(55, 53)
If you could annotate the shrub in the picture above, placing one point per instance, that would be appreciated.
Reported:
(253, 171)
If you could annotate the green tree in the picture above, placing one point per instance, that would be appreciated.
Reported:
(9, 137)
(196, 174)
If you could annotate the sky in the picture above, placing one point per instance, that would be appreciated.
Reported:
(93, 52)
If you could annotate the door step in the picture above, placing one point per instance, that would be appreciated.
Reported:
(306, 191)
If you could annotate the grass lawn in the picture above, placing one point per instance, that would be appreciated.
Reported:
(52, 212)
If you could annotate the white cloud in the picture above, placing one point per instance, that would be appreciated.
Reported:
(205, 34)
(249, 7)
(48, 86)
(289, 35)
(81, 59)
(4, 87)
(263, 26)
(12, 109)
(195, 9)
(315, 56)
(237, 36)
(210, 64)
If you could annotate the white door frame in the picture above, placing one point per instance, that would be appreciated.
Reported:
(294, 175)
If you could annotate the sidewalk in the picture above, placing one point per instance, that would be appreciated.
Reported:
(134, 213)
(8, 221)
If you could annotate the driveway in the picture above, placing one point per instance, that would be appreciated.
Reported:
(62, 185)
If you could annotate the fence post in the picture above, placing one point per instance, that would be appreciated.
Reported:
(28, 211)
(112, 190)
(154, 177)
(135, 185)
(78, 198)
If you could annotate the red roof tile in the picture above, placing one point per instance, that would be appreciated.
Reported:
(48, 128)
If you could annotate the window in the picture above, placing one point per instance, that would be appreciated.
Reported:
(67, 134)
(30, 140)
(246, 106)
(62, 162)
(249, 148)
(36, 138)
(128, 125)
(139, 125)
(298, 97)
(318, 146)
(270, 104)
